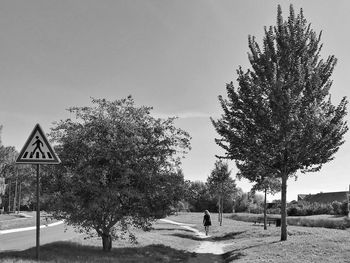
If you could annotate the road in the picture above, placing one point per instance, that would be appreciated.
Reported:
(27, 239)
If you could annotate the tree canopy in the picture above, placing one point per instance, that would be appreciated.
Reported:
(221, 185)
(280, 116)
(119, 168)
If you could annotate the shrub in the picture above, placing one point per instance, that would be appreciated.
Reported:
(337, 208)
(307, 209)
(344, 208)
(318, 222)
(255, 208)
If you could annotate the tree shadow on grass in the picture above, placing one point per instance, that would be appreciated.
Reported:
(74, 252)
(172, 229)
(237, 253)
(227, 236)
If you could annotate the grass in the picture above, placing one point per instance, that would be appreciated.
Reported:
(326, 221)
(10, 221)
(74, 252)
(244, 242)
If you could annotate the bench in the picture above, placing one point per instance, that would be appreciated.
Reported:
(269, 220)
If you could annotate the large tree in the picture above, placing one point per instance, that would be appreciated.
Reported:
(119, 168)
(221, 185)
(281, 115)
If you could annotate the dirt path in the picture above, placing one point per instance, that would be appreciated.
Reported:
(211, 247)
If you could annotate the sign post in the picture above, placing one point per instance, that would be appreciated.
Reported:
(37, 150)
(349, 202)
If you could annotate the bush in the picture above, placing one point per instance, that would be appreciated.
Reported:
(336, 208)
(255, 209)
(318, 222)
(307, 209)
(344, 208)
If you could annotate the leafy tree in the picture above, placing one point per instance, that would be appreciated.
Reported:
(119, 168)
(264, 181)
(198, 196)
(8, 173)
(221, 185)
(240, 201)
(281, 115)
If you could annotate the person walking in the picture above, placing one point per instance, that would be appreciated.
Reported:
(206, 221)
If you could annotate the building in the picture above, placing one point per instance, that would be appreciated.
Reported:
(324, 198)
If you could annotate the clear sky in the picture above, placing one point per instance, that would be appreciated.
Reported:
(173, 55)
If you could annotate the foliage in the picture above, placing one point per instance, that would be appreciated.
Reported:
(221, 185)
(248, 202)
(219, 182)
(119, 168)
(340, 208)
(281, 117)
(307, 209)
(199, 198)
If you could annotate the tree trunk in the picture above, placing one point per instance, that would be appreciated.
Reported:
(107, 242)
(219, 210)
(284, 207)
(265, 208)
(222, 209)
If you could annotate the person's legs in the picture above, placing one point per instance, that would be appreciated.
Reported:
(206, 230)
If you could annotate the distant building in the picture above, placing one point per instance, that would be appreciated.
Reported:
(324, 198)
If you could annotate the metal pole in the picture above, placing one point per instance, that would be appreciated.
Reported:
(19, 196)
(9, 184)
(37, 213)
(349, 202)
(15, 197)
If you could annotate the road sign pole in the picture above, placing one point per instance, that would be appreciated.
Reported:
(349, 202)
(37, 213)
(37, 150)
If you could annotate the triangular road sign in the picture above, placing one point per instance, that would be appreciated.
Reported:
(37, 149)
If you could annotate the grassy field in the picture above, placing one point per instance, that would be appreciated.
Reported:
(243, 242)
(13, 220)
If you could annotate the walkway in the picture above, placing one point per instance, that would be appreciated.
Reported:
(211, 247)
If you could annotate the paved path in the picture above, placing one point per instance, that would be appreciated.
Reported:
(211, 247)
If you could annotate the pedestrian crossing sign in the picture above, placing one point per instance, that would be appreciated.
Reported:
(37, 149)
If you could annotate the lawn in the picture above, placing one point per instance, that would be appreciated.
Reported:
(13, 220)
(243, 242)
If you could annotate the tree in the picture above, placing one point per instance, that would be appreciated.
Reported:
(264, 181)
(8, 173)
(221, 185)
(119, 168)
(198, 196)
(281, 115)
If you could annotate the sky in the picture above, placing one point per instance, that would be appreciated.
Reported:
(175, 56)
